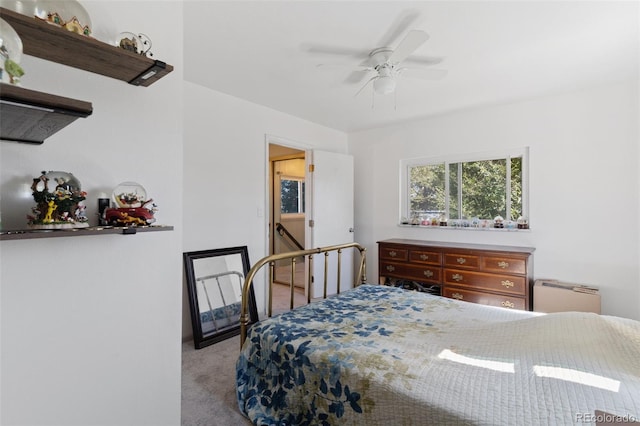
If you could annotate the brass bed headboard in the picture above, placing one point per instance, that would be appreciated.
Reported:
(271, 260)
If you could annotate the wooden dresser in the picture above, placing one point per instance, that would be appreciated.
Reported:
(487, 274)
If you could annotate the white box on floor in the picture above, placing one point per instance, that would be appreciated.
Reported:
(554, 296)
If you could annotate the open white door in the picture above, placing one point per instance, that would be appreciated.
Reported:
(330, 216)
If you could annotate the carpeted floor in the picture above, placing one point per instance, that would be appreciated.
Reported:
(208, 375)
(208, 385)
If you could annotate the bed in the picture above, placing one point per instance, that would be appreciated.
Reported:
(381, 355)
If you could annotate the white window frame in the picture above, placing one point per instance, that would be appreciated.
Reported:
(301, 194)
(404, 202)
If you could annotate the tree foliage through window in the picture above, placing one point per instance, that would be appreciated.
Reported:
(464, 190)
(292, 195)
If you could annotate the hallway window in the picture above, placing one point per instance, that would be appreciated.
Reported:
(291, 195)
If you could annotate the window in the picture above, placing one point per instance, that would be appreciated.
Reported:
(480, 186)
(291, 195)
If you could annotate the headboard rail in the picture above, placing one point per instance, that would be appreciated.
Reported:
(359, 278)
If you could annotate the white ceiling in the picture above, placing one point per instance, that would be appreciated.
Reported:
(267, 52)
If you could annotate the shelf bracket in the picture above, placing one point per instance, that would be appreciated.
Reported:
(154, 69)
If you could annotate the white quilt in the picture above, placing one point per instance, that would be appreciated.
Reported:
(383, 356)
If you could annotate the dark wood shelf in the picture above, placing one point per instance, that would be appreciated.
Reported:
(56, 44)
(28, 234)
(31, 117)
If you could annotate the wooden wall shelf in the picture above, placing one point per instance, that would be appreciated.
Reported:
(56, 44)
(31, 117)
(28, 234)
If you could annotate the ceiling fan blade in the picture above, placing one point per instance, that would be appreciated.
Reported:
(334, 50)
(423, 73)
(405, 20)
(423, 60)
(413, 40)
(350, 67)
(356, 76)
(365, 85)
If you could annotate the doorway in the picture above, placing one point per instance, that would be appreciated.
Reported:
(298, 193)
(287, 221)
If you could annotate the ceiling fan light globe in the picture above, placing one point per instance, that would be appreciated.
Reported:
(384, 85)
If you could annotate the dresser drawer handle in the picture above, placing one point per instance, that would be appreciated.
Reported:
(390, 268)
(424, 257)
(457, 277)
(461, 260)
(503, 264)
(457, 296)
(393, 253)
(507, 283)
(508, 304)
(428, 273)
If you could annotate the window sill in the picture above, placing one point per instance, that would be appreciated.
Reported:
(464, 228)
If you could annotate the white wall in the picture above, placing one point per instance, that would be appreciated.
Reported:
(583, 176)
(91, 325)
(225, 171)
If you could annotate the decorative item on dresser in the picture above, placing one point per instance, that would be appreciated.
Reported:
(487, 274)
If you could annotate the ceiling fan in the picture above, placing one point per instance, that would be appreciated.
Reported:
(385, 65)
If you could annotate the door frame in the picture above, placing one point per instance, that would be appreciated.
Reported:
(288, 143)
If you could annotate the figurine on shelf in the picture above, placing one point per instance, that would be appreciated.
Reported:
(68, 14)
(75, 26)
(60, 209)
(132, 210)
(136, 43)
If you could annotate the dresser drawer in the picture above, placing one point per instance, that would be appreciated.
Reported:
(504, 264)
(392, 253)
(510, 302)
(461, 260)
(428, 257)
(501, 283)
(413, 272)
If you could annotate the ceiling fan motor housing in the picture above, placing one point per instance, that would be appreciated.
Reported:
(385, 83)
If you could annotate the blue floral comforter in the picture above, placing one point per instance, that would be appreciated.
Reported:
(379, 355)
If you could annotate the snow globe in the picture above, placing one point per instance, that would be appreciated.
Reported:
(523, 222)
(60, 206)
(23, 7)
(133, 206)
(10, 54)
(139, 44)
